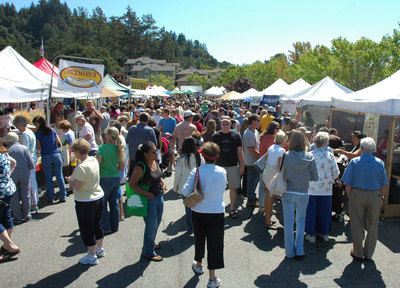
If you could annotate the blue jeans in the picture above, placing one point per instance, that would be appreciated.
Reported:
(261, 191)
(155, 208)
(188, 217)
(294, 203)
(319, 215)
(52, 165)
(252, 181)
(110, 186)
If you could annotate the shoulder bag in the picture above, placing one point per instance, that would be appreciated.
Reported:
(278, 185)
(137, 203)
(197, 195)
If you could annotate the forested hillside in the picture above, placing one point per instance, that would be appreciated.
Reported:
(91, 34)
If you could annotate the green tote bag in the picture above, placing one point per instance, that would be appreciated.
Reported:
(137, 203)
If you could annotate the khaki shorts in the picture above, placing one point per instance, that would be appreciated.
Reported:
(233, 176)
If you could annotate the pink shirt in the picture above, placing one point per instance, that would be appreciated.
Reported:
(183, 130)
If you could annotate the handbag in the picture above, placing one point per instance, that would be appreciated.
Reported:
(137, 203)
(278, 185)
(261, 163)
(197, 195)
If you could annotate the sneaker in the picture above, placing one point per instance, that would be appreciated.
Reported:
(325, 238)
(197, 269)
(214, 283)
(100, 252)
(89, 260)
(310, 238)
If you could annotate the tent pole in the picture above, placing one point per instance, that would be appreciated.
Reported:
(76, 109)
(389, 157)
(21, 108)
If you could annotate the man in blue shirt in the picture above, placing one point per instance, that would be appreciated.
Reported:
(167, 124)
(137, 135)
(366, 181)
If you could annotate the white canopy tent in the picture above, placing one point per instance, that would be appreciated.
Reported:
(321, 93)
(252, 96)
(295, 87)
(214, 91)
(382, 98)
(276, 88)
(21, 81)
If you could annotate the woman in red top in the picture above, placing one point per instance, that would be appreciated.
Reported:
(267, 137)
(196, 122)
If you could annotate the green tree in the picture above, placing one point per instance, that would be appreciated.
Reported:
(161, 80)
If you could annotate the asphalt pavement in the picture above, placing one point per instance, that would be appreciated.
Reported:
(254, 257)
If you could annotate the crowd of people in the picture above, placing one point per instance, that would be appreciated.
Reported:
(92, 153)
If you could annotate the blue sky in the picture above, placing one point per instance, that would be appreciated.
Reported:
(245, 31)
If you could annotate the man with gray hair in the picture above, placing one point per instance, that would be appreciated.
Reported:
(366, 181)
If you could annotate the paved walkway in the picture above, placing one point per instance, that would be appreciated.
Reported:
(254, 257)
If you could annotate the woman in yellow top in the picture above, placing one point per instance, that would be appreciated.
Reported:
(85, 180)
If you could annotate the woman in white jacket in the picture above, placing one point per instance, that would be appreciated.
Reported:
(188, 160)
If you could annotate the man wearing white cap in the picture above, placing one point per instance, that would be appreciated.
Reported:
(20, 177)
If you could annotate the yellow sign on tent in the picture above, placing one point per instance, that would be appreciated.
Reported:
(139, 84)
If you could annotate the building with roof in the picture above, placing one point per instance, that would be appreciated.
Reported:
(143, 67)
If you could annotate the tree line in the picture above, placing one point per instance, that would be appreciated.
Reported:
(355, 65)
(93, 35)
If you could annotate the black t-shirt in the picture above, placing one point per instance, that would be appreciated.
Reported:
(152, 178)
(228, 143)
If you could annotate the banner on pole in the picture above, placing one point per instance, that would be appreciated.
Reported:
(371, 125)
(270, 100)
(138, 84)
(80, 77)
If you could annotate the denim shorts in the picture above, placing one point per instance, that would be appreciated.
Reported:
(5, 215)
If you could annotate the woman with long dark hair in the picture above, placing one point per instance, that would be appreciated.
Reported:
(48, 143)
(146, 157)
(187, 161)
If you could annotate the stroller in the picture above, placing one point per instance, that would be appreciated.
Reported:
(339, 193)
(165, 157)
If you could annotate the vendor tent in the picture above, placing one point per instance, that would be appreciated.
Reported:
(110, 93)
(110, 82)
(276, 88)
(46, 66)
(214, 92)
(295, 87)
(233, 95)
(381, 98)
(177, 91)
(21, 81)
(252, 96)
(321, 93)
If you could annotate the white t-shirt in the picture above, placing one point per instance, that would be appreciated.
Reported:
(87, 129)
(274, 153)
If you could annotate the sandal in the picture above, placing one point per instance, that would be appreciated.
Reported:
(270, 225)
(233, 214)
(8, 255)
(155, 258)
(2, 251)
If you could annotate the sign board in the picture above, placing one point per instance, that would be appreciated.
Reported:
(80, 77)
(290, 106)
(371, 125)
(197, 89)
(270, 100)
(138, 84)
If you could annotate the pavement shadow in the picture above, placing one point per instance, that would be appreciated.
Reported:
(176, 245)
(124, 277)
(285, 275)
(63, 278)
(171, 195)
(262, 238)
(360, 274)
(388, 234)
(174, 227)
(192, 282)
(40, 215)
(76, 246)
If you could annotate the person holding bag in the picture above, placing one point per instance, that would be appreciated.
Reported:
(273, 162)
(146, 157)
(298, 168)
(208, 214)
